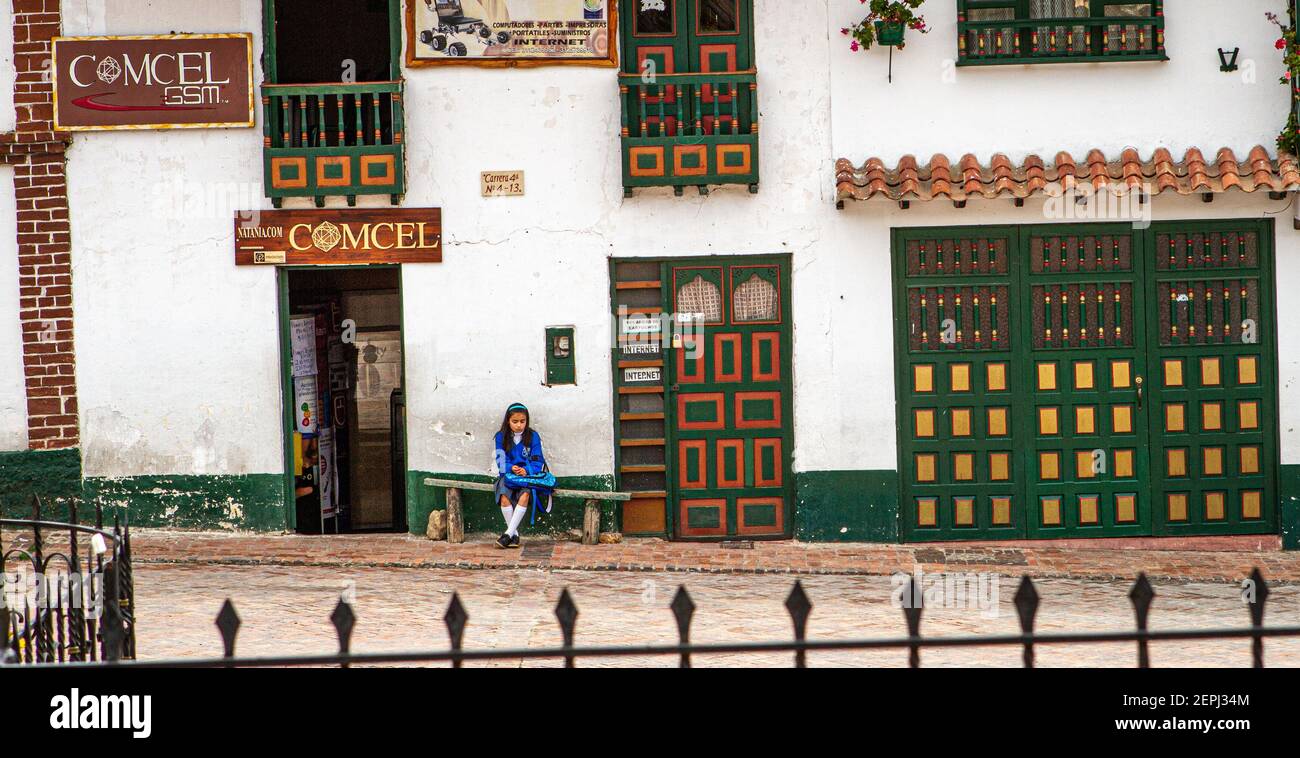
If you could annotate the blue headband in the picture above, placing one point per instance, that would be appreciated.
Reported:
(517, 407)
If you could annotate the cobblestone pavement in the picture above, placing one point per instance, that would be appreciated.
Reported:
(285, 609)
(1216, 559)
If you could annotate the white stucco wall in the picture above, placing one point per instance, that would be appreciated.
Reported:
(933, 106)
(13, 393)
(177, 349)
(178, 357)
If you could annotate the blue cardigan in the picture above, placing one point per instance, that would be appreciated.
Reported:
(532, 459)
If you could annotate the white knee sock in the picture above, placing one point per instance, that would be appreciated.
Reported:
(516, 520)
(506, 511)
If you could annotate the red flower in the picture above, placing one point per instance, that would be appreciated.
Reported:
(854, 46)
(1280, 44)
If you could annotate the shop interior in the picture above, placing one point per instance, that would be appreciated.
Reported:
(348, 430)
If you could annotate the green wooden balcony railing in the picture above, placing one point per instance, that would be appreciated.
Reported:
(1096, 39)
(323, 140)
(680, 130)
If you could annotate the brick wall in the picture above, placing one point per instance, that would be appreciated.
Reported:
(37, 154)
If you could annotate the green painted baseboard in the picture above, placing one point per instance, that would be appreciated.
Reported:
(54, 475)
(253, 501)
(482, 514)
(1288, 490)
(846, 506)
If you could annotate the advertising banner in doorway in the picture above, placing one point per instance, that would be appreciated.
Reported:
(306, 404)
(511, 32)
(187, 81)
(333, 236)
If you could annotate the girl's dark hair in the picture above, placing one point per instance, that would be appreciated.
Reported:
(507, 436)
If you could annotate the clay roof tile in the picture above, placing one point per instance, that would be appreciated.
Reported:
(1127, 173)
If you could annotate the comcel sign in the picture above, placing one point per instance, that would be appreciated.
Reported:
(183, 80)
(361, 235)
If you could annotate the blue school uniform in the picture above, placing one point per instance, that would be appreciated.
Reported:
(530, 458)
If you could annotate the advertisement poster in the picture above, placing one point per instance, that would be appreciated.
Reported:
(328, 477)
(302, 345)
(511, 32)
(195, 81)
(306, 405)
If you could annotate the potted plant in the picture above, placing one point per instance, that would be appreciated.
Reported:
(887, 22)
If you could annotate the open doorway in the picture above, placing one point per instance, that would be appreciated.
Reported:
(344, 376)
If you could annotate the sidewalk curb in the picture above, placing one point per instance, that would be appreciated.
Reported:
(643, 568)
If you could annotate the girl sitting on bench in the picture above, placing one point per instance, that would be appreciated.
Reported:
(518, 450)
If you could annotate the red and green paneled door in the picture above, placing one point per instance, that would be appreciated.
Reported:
(1073, 381)
(731, 398)
(703, 395)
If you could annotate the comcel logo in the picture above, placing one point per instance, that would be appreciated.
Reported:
(77, 711)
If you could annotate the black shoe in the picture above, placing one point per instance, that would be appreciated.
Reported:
(503, 541)
(514, 541)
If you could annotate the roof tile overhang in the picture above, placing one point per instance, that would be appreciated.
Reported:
(1001, 178)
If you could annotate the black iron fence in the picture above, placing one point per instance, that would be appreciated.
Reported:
(799, 607)
(65, 603)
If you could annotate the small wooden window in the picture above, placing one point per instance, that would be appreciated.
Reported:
(718, 17)
(994, 32)
(655, 19)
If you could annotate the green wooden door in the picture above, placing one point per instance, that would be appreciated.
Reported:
(730, 402)
(1129, 388)
(1085, 373)
(956, 327)
(1213, 381)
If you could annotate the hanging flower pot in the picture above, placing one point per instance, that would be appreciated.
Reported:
(886, 22)
(890, 33)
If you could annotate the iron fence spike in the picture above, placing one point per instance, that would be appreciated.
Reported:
(799, 607)
(455, 618)
(1026, 600)
(1142, 594)
(343, 620)
(228, 624)
(567, 612)
(913, 605)
(1261, 597)
(683, 611)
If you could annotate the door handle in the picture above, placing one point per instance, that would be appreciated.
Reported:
(1139, 392)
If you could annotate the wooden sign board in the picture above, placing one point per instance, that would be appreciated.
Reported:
(182, 81)
(511, 32)
(501, 183)
(336, 236)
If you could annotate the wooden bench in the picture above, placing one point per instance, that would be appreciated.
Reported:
(590, 514)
